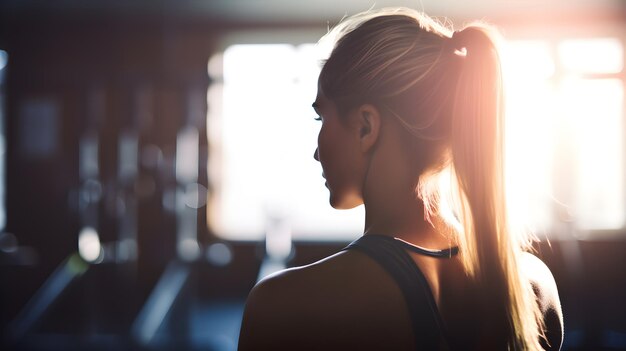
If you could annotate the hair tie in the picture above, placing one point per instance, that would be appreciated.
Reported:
(454, 44)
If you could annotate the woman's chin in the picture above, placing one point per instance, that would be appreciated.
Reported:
(344, 202)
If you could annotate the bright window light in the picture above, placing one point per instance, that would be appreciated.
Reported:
(529, 61)
(593, 109)
(592, 55)
(564, 133)
(564, 140)
(266, 171)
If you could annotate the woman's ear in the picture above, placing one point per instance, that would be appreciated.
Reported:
(368, 124)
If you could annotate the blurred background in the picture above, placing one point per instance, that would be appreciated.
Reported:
(156, 160)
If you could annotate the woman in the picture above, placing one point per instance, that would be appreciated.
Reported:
(412, 127)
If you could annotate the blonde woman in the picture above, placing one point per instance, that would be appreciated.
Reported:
(412, 127)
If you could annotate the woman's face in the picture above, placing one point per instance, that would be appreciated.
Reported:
(339, 153)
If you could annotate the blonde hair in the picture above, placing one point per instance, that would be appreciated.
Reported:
(445, 88)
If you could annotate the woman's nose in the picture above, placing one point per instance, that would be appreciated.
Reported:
(316, 155)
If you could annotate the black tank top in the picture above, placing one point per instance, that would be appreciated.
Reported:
(429, 330)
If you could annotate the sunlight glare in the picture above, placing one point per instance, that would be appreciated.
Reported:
(563, 149)
(268, 135)
(592, 55)
(595, 110)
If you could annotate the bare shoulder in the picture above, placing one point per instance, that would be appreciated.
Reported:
(542, 279)
(547, 296)
(287, 289)
(319, 303)
(292, 286)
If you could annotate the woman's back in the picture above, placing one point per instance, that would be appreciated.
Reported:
(349, 301)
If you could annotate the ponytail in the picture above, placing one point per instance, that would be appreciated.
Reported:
(490, 253)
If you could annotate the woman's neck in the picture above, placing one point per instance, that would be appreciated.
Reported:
(401, 214)
(392, 206)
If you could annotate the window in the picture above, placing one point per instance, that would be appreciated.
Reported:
(263, 137)
(565, 112)
(565, 130)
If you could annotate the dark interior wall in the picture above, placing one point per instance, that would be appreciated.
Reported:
(62, 63)
(84, 74)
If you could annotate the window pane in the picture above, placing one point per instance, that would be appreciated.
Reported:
(268, 136)
(593, 115)
(564, 137)
(592, 55)
(563, 140)
(527, 61)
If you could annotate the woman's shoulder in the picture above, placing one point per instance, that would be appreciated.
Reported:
(547, 295)
(333, 273)
(542, 281)
(320, 302)
(337, 282)
(291, 287)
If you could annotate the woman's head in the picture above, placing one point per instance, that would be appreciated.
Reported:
(407, 65)
(444, 88)
(397, 63)
(401, 62)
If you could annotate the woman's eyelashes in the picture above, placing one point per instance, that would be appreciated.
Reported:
(316, 106)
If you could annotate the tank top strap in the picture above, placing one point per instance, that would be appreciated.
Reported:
(428, 327)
